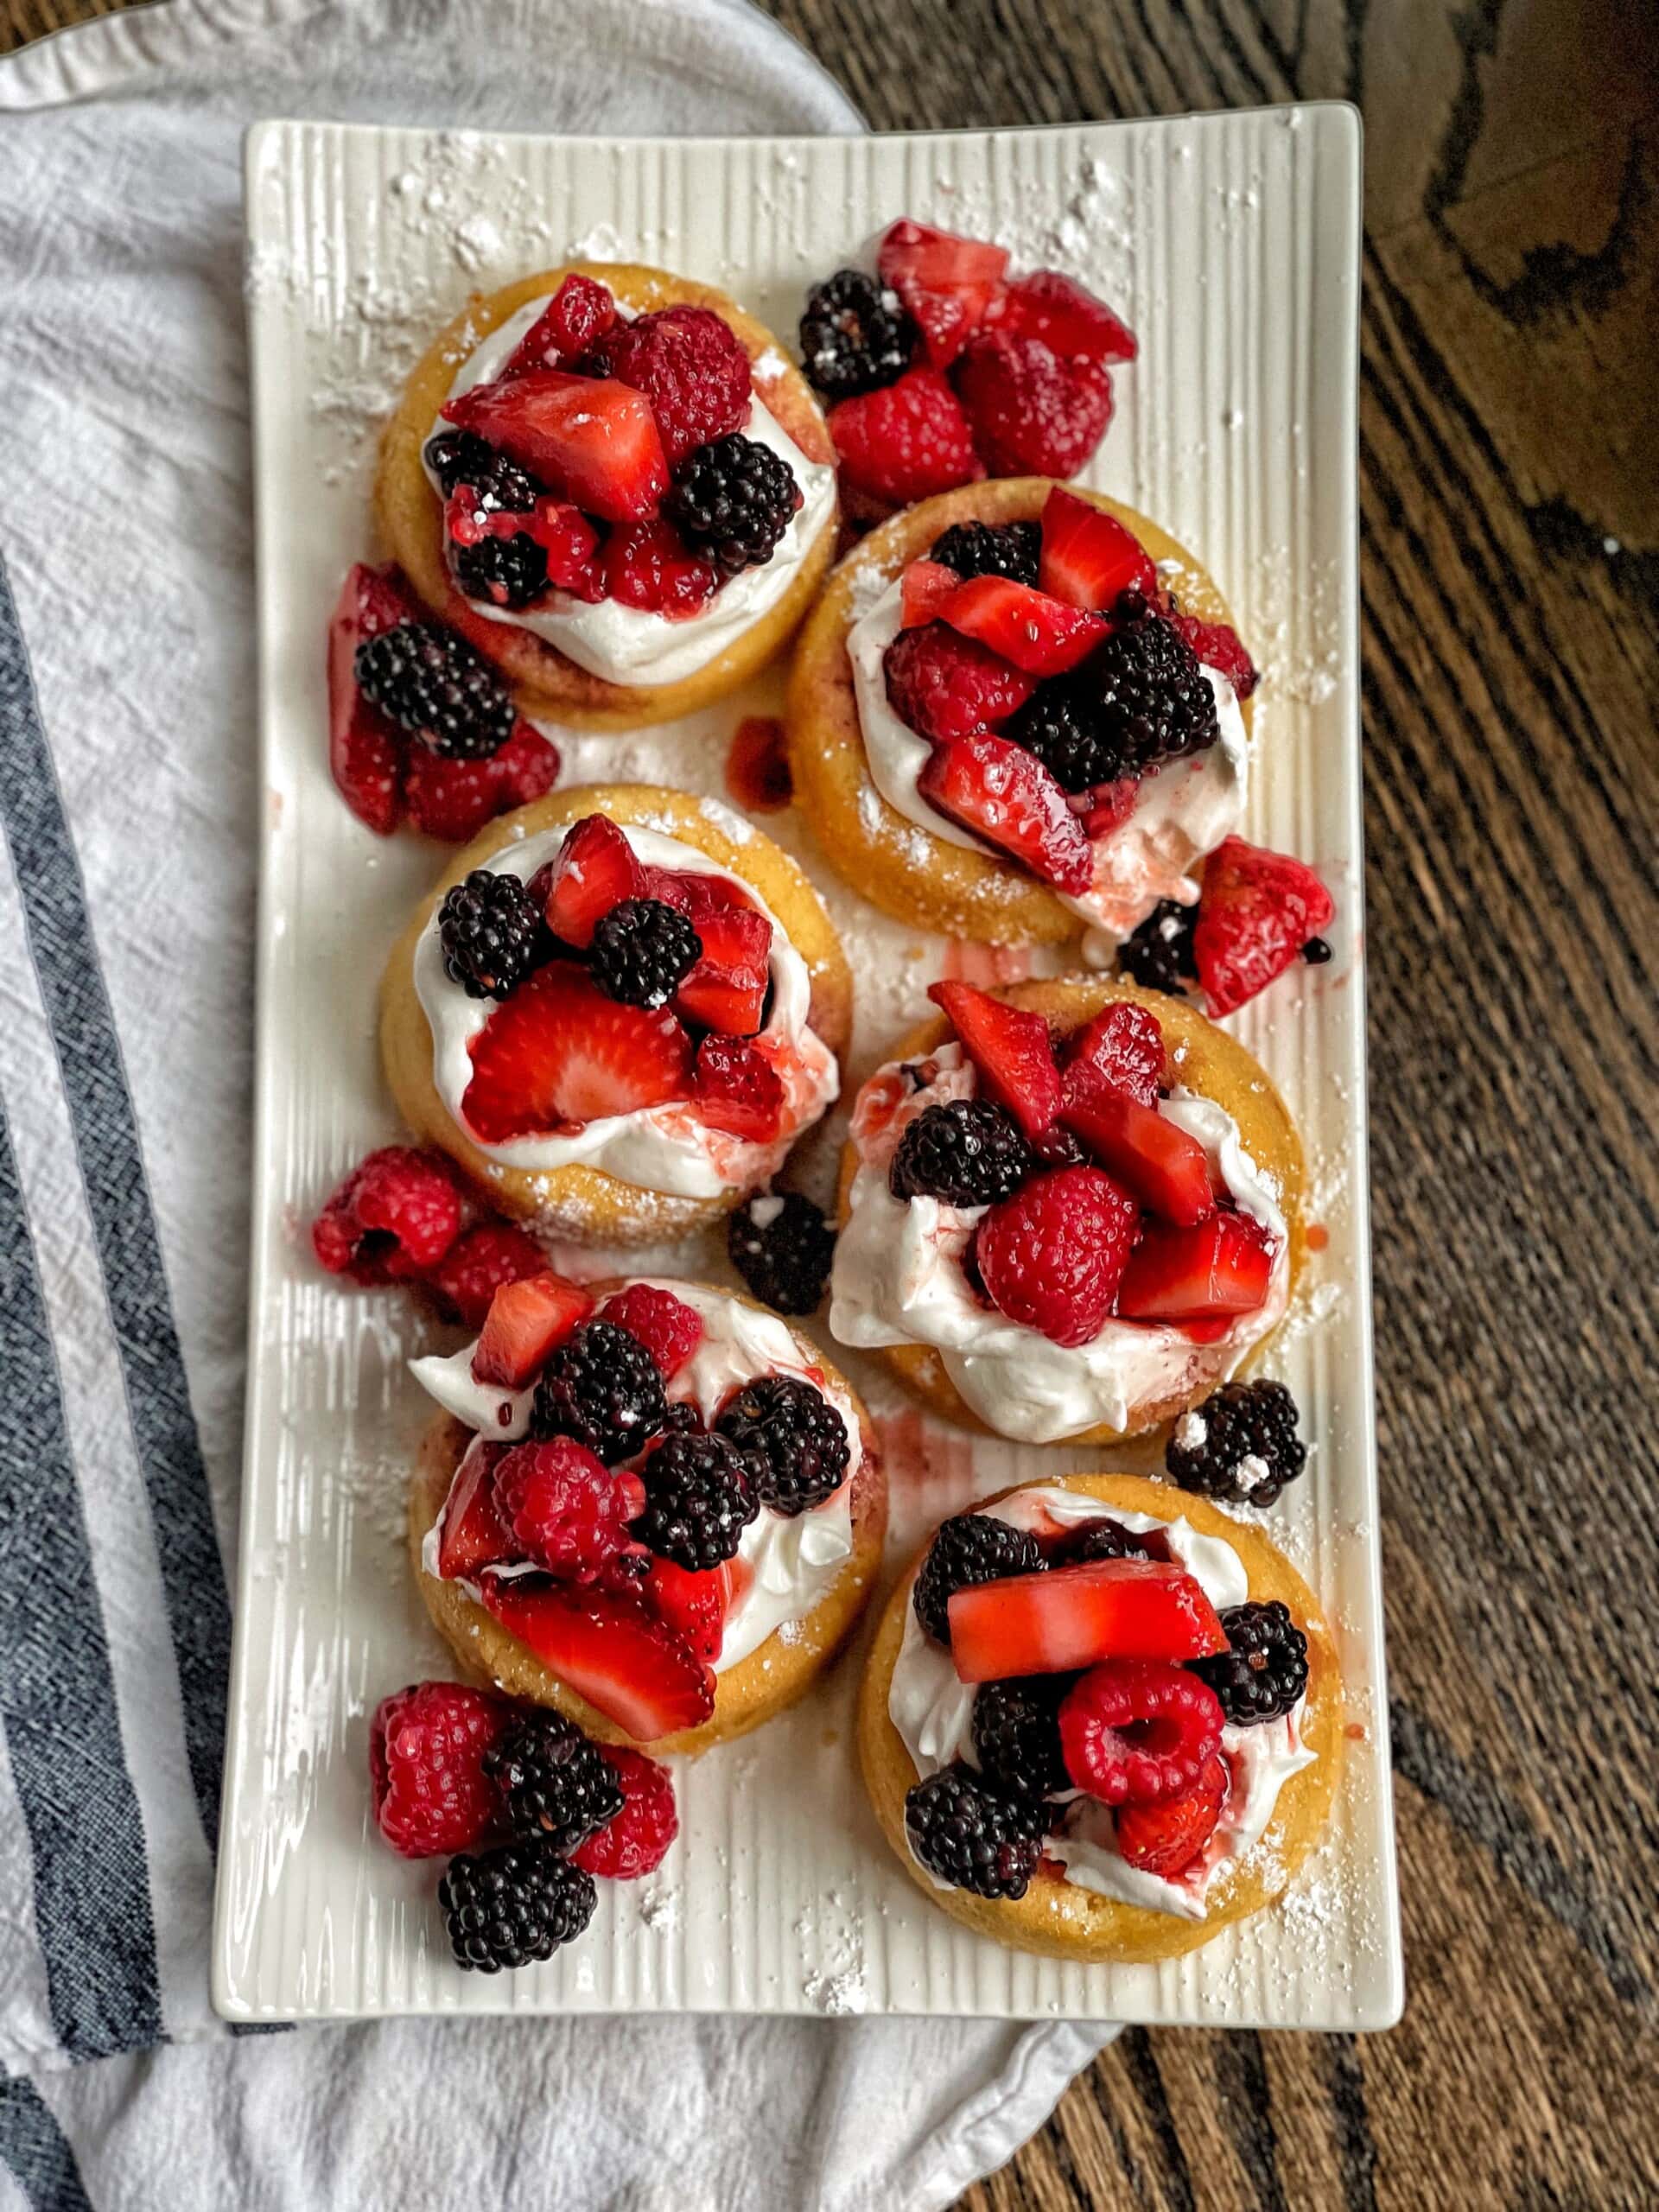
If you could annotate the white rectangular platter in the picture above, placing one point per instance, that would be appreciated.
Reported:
(1230, 243)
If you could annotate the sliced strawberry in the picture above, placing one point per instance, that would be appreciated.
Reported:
(629, 1665)
(527, 1320)
(1043, 636)
(739, 1090)
(472, 1533)
(1072, 1617)
(670, 1330)
(947, 282)
(1218, 645)
(1005, 795)
(726, 988)
(559, 1052)
(1221, 1267)
(695, 892)
(365, 751)
(649, 565)
(1158, 1163)
(1088, 556)
(924, 588)
(1010, 1046)
(564, 533)
(593, 439)
(453, 799)
(1258, 909)
(1165, 1838)
(581, 310)
(595, 870)
(1108, 807)
(694, 1605)
(1121, 1048)
(1066, 316)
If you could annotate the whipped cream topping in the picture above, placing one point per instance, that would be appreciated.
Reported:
(933, 1711)
(899, 1280)
(1182, 809)
(634, 645)
(657, 1147)
(792, 1561)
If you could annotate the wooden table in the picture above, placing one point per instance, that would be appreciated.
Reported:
(1509, 483)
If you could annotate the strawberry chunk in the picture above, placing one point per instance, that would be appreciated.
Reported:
(1033, 414)
(726, 988)
(1041, 635)
(924, 588)
(1218, 645)
(581, 310)
(1074, 1617)
(905, 441)
(559, 1052)
(1219, 1267)
(1066, 316)
(1052, 1256)
(1010, 1046)
(592, 438)
(1257, 909)
(365, 751)
(649, 565)
(527, 1320)
(693, 1604)
(1121, 1048)
(1139, 1731)
(948, 284)
(942, 685)
(472, 1533)
(453, 799)
(1164, 1838)
(595, 870)
(1109, 806)
(670, 1330)
(1088, 556)
(629, 1665)
(739, 1090)
(1006, 796)
(695, 893)
(1160, 1164)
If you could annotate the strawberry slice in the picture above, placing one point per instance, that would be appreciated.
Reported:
(595, 870)
(1005, 795)
(593, 439)
(924, 588)
(472, 1533)
(947, 282)
(694, 1605)
(453, 799)
(629, 1665)
(1066, 316)
(1043, 636)
(1072, 1617)
(1222, 1266)
(558, 1053)
(1121, 1048)
(1010, 1046)
(726, 988)
(1218, 646)
(739, 1090)
(365, 751)
(527, 1320)
(695, 893)
(1163, 1166)
(581, 310)
(1088, 556)
(1165, 1838)
(1257, 909)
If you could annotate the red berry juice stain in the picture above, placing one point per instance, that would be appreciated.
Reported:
(1318, 1237)
(757, 767)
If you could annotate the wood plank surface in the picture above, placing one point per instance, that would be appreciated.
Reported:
(1509, 481)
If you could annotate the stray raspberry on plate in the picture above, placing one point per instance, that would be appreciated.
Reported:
(426, 1745)
(905, 441)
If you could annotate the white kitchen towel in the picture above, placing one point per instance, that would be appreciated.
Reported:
(127, 798)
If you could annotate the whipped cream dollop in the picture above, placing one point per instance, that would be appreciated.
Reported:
(791, 1561)
(1182, 809)
(933, 1710)
(634, 645)
(899, 1280)
(666, 1147)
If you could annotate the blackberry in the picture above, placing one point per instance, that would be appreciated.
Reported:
(514, 1905)
(855, 335)
(698, 1502)
(1159, 954)
(1241, 1445)
(553, 1780)
(794, 1442)
(492, 934)
(1096, 1539)
(642, 951)
(732, 502)
(968, 1151)
(1266, 1671)
(1057, 1148)
(1148, 689)
(974, 1835)
(969, 1548)
(683, 1419)
(1316, 951)
(781, 1246)
(1062, 727)
(432, 684)
(1017, 1733)
(991, 548)
(458, 457)
(603, 1388)
(506, 571)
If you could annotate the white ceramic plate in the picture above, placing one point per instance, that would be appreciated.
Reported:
(1230, 243)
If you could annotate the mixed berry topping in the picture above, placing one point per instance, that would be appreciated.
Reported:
(1264, 1670)
(986, 549)
(974, 1835)
(603, 1388)
(1241, 1445)
(967, 1152)
(492, 934)
(793, 1443)
(782, 1247)
(642, 951)
(855, 336)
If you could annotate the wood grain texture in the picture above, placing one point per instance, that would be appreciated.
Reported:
(1509, 481)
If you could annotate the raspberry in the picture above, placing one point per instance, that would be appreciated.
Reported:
(689, 365)
(856, 335)
(1053, 1256)
(432, 684)
(783, 1248)
(513, 1905)
(1033, 413)
(1017, 1733)
(698, 1502)
(1165, 1838)
(478, 1263)
(642, 951)
(567, 1510)
(1265, 1672)
(604, 1388)
(648, 564)
(492, 934)
(905, 441)
(395, 1216)
(635, 1840)
(967, 1152)
(1137, 1732)
(453, 799)
(795, 1445)
(945, 685)
(987, 548)
(974, 1835)
(968, 1549)
(577, 315)
(428, 1745)
(554, 1781)
(1241, 1445)
(1159, 954)
(670, 1330)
